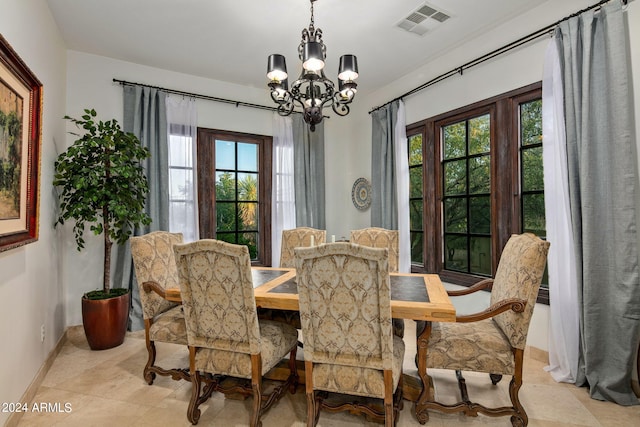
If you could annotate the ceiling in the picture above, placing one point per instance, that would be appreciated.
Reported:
(229, 40)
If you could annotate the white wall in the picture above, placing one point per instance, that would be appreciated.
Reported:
(507, 72)
(90, 85)
(30, 285)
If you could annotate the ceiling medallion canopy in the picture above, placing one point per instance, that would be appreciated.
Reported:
(312, 90)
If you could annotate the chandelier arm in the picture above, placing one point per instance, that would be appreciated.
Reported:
(340, 109)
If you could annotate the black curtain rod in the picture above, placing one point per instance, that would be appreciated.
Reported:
(197, 95)
(506, 48)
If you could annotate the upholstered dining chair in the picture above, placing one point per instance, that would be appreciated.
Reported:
(376, 237)
(155, 270)
(349, 349)
(298, 237)
(224, 334)
(491, 341)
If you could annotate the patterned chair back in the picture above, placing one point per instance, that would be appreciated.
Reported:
(154, 261)
(217, 295)
(376, 237)
(298, 237)
(345, 305)
(519, 275)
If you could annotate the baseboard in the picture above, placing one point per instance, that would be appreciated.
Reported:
(30, 393)
(538, 354)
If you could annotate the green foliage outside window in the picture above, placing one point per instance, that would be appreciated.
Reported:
(237, 209)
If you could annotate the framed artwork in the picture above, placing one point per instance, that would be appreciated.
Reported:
(20, 144)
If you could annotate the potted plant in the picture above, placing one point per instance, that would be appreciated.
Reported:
(102, 183)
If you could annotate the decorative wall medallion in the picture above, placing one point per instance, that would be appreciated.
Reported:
(361, 194)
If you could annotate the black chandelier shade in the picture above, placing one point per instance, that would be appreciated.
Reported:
(312, 90)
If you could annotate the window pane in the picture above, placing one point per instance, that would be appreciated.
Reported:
(479, 135)
(250, 239)
(533, 214)
(248, 216)
(178, 188)
(180, 153)
(455, 253)
(248, 186)
(481, 255)
(247, 157)
(415, 150)
(480, 175)
(416, 248)
(455, 215)
(227, 237)
(182, 217)
(455, 141)
(225, 154)
(455, 177)
(480, 215)
(226, 216)
(225, 186)
(415, 182)
(415, 214)
(532, 176)
(531, 122)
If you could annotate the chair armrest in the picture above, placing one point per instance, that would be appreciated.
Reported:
(515, 304)
(483, 284)
(154, 287)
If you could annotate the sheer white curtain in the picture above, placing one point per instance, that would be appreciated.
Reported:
(283, 199)
(182, 127)
(402, 189)
(563, 284)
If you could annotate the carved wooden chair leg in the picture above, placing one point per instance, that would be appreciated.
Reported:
(149, 376)
(520, 419)
(388, 398)
(312, 409)
(256, 385)
(193, 413)
(293, 368)
(420, 407)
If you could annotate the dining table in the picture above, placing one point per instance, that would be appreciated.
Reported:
(414, 296)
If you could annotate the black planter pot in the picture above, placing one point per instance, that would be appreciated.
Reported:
(105, 321)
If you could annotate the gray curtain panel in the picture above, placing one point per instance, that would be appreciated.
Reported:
(384, 202)
(308, 165)
(145, 116)
(603, 188)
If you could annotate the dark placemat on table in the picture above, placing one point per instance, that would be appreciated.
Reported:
(260, 277)
(403, 288)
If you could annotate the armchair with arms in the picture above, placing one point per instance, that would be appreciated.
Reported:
(155, 270)
(491, 341)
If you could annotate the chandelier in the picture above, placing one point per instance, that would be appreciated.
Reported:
(312, 90)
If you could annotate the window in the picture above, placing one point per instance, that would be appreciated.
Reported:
(466, 195)
(476, 178)
(181, 195)
(234, 186)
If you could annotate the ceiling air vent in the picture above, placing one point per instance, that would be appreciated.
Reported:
(422, 20)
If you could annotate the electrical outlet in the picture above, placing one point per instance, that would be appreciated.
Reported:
(42, 332)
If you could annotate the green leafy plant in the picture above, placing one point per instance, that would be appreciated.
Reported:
(102, 183)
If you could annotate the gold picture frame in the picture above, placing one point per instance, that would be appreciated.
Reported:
(20, 146)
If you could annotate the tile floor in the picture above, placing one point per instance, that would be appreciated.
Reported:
(106, 388)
